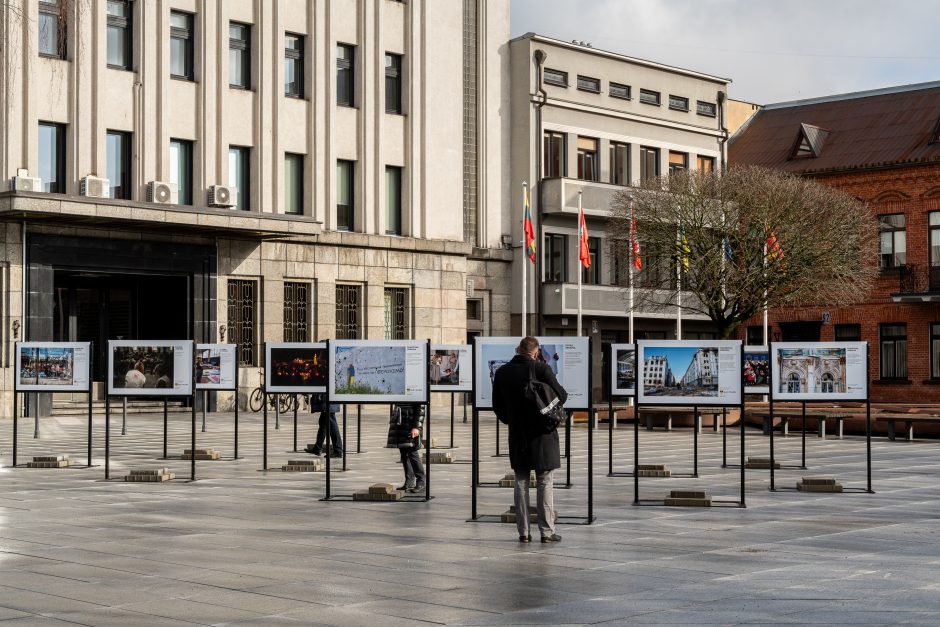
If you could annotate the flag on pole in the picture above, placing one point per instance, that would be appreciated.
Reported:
(584, 251)
(774, 250)
(682, 246)
(529, 229)
(635, 243)
(727, 245)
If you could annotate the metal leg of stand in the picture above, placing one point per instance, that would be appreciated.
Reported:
(124, 416)
(16, 413)
(568, 451)
(344, 439)
(610, 436)
(358, 429)
(695, 427)
(205, 401)
(636, 455)
(277, 411)
(452, 420)
(35, 416)
(107, 437)
(724, 437)
(264, 431)
(296, 403)
(497, 437)
(803, 463)
(165, 424)
(192, 451)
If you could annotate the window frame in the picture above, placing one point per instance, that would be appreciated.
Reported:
(708, 109)
(242, 49)
(186, 35)
(553, 138)
(854, 336)
(127, 176)
(475, 312)
(299, 163)
(240, 326)
(675, 167)
(350, 330)
(626, 88)
(397, 318)
(650, 97)
(394, 73)
(55, 11)
(295, 55)
(350, 207)
(592, 275)
(883, 228)
(347, 67)
(394, 222)
(644, 174)
(556, 250)
(933, 330)
(588, 158)
(242, 154)
(701, 159)
(932, 229)
(589, 84)
(678, 103)
(561, 82)
(624, 172)
(126, 24)
(60, 156)
(184, 184)
(898, 370)
(296, 311)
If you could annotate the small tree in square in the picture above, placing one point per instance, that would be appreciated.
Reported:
(737, 241)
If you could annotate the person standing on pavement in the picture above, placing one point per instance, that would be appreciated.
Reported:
(327, 421)
(530, 447)
(404, 433)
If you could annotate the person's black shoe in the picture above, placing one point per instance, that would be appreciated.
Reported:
(313, 450)
(525, 539)
(417, 488)
(406, 487)
(336, 454)
(551, 539)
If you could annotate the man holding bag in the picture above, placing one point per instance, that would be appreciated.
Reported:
(533, 441)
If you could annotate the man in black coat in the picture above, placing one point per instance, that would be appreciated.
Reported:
(530, 447)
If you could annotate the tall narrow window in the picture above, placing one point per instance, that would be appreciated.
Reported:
(120, 34)
(393, 82)
(556, 258)
(396, 313)
(934, 350)
(241, 318)
(592, 275)
(294, 65)
(587, 159)
(345, 75)
(893, 232)
(181, 169)
(893, 351)
(181, 45)
(678, 161)
(345, 205)
(51, 29)
(119, 164)
(52, 157)
(649, 163)
(293, 183)
(239, 174)
(619, 163)
(348, 312)
(296, 311)
(705, 164)
(933, 221)
(239, 55)
(393, 200)
(555, 163)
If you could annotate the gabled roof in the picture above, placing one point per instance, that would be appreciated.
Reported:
(851, 131)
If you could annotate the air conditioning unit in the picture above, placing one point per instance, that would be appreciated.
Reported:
(222, 196)
(26, 184)
(162, 193)
(95, 187)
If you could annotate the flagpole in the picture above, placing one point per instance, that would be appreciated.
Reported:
(525, 265)
(580, 267)
(630, 270)
(679, 246)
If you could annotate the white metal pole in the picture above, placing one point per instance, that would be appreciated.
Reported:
(630, 270)
(680, 247)
(580, 266)
(525, 265)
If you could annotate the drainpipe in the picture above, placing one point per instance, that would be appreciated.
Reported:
(539, 57)
(723, 138)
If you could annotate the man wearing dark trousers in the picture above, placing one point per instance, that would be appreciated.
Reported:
(530, 447)
(327, 421)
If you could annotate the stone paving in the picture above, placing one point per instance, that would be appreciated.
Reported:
(242, 546)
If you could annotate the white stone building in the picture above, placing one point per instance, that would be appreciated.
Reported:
(702, 370)
(657, 373)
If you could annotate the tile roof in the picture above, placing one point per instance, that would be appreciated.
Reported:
(865, 130)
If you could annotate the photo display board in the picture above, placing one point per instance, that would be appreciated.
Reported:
(756, 370)
(52, 366)
(378, 371)
(622, 369)
(450, 368)
(150, 367)
(295, 367)
(819, 371)
(568, 358)
(215, 366)
(690, 372)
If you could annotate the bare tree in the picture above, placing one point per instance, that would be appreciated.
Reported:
(735, 241)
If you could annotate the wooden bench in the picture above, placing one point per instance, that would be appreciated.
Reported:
(909, 420)
(820, 417)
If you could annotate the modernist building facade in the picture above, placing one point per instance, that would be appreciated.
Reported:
(883, 147)
(590, 121)
(253, 171)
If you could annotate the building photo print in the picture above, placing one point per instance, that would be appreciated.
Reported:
(298, 367)
(46, 366)
(137, 367)
(819, 370)
(680, 371)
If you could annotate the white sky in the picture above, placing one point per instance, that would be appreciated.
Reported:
(773, 50)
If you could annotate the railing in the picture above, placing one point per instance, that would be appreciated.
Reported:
(915, 279)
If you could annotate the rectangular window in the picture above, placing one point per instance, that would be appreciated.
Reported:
(474, 309)
(934, 350)
(239, 174)
(293, 65)
(296, 311)
(119, 164)
(592, 275)
(556, 258)
(348, 312)
(293, 183)
(678, 161)
(848, 332)
(649, 163)
(678, 103)
(239, 55)
(392, 200)
(555, 150)
(588, 165)
(755, 335)
(181, 45)
(933, 221)
(586, 83)
(706, 108)
(650, 97)
(618, 90)
(705, 164)
(242, 318)
(120, 34)
(52, 157)
(893, 240)
(181, 169)
(555, 77)
(345, 75)
(893, 351)
(345, 177)
(619, 163)
(396, 313)
(51, 40)
(658, 272)
(393, 71)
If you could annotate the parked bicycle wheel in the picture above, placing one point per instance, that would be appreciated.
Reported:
(256, 400)
(285, 403)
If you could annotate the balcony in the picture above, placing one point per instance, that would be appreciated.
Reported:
(917, 284)
(560, 196)
(561, 299)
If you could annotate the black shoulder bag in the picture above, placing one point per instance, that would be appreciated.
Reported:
(542, 397)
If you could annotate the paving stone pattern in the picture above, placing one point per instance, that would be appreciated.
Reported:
(242, 546)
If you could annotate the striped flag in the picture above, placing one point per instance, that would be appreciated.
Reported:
(584, 251)
(774, 250)
(635, 243)
(529, 229)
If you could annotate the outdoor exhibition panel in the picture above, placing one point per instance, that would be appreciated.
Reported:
(622, 360)
(151, 368)
(819, 372)
(51, 367)
(570, 360)
(379, 372)
(689, 373)
(450, 370)
(216, 369)
(756, 370)
(292, 368)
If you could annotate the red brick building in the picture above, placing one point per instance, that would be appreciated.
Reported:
(882, 147)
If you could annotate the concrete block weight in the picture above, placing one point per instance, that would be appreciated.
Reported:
(50, 461)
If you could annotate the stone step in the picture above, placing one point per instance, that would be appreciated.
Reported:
(654, 473)
(150, 478)
(684, 502)
(303, 465)
(149, 471)
(206, 458)
(381, 488)
(819, 481)
(441, 458)
(62, 463)
(760, 463)
(651, 467)
(366, 495)
(689, 494)
(819, 487)
(50, 458)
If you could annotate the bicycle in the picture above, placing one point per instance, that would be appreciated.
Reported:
(283, 403)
